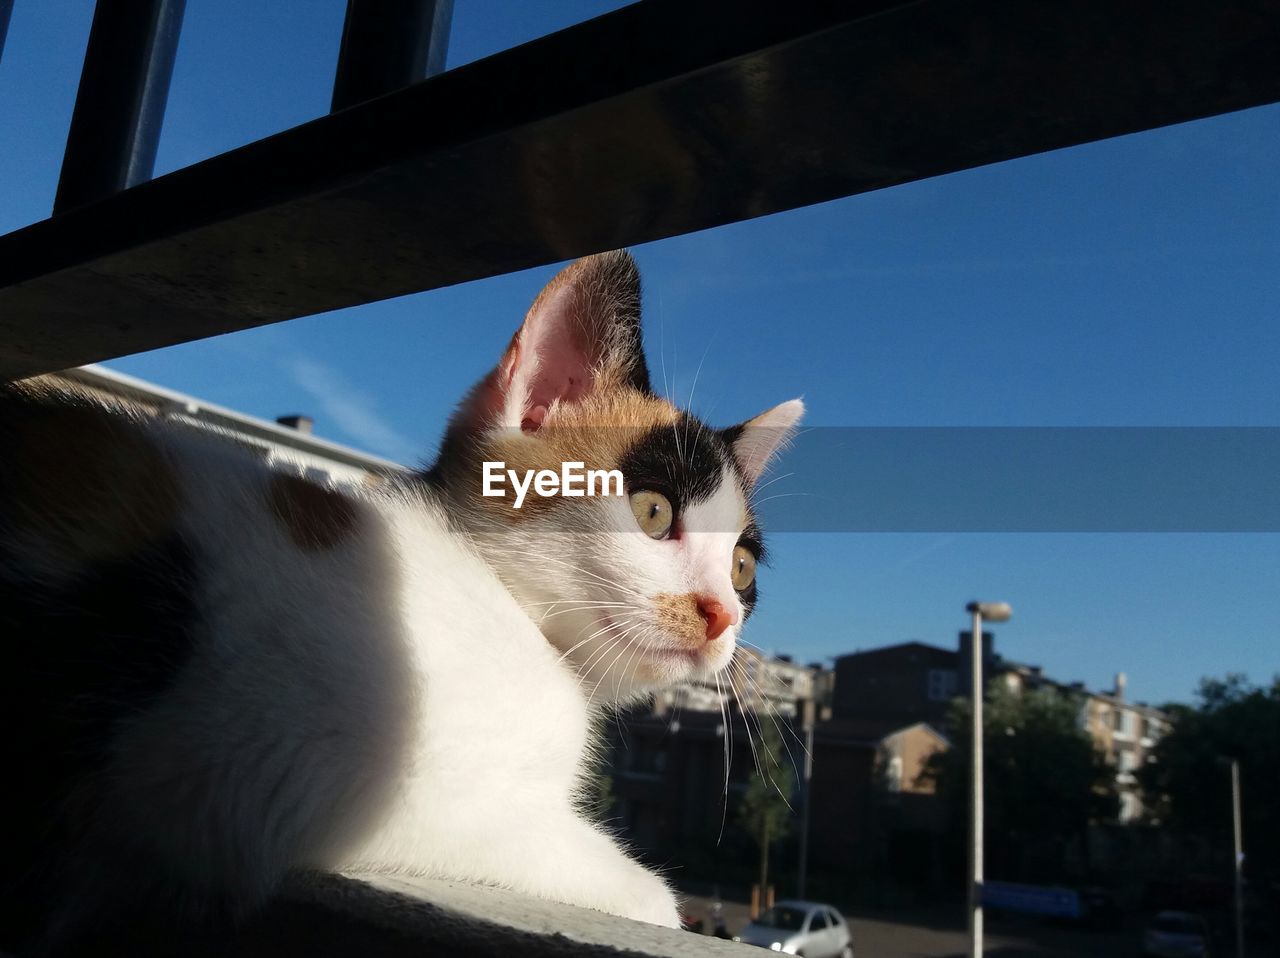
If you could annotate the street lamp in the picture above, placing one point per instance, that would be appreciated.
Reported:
(992, 612)
(1237, 841)
(1239, 856)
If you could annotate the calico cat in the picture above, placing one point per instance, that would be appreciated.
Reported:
(217, 671)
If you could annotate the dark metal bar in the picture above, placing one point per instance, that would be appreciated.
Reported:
(124, 86)
(6, 12)
(389, 44)
(661, 118)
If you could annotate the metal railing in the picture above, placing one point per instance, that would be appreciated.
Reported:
(661, 118)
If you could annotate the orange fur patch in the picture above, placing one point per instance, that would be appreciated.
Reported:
(679, 616)
(597, 431)
(316, 517)
(86, 481)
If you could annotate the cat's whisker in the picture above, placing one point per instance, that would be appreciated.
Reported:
(689, 405)
(777, 764)
(761, 766)
(578, 645)
(594, 607)
(662, 347)
(784, 495)
(617, 679)
(771, 481)
(728, 757)
(612, 668)
(784, 728)
(746, 724)
(608, 627)
(758, 750)
(675, 432)
(624, 640)
(571, 602)
(565, 563)
(584, 672)
(621, 637)
(550, 611)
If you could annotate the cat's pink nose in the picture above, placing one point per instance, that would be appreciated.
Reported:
(718, 617)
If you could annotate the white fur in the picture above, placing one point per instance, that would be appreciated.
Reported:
(603, 621)
(383, 705)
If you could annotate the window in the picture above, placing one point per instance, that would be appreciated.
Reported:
(819, 921)
(942, 684)
(1126, 723)
(783, 917)
(893, 774)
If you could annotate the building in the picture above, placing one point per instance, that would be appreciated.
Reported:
(670, 786)
(904, 684)
(1127, 733)
(869, 805)
(915, 682)
(288, 440)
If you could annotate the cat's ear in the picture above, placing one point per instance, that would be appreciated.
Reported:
(581, 335)
(758, 440)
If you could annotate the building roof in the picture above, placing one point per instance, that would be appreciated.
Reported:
(189, 408)
(886, 650)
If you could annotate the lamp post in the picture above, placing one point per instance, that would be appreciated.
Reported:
(1239, 856)
(992, 612)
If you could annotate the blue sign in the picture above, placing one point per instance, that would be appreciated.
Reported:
(1031, 899)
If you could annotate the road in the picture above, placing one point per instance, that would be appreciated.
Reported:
(941, 934)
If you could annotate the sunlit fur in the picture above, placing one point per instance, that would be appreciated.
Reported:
(402, 678)
(597, 593)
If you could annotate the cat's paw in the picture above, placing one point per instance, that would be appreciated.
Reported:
(653, 902)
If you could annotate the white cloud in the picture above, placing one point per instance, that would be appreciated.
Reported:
(352, 411)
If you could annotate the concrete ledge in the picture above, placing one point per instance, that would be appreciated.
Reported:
(391, 915)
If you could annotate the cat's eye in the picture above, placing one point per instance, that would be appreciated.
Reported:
(653, 513)
(744, 568)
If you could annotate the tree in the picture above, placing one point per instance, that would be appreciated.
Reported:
(765, 811)
(1186, 784)
(1045, 780)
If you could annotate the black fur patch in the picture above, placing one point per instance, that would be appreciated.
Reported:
(79, 658)
(684, 461)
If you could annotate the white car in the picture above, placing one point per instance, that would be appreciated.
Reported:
(806, 928)
(1176, 934)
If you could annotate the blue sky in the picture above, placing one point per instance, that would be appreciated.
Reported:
(1131, 282)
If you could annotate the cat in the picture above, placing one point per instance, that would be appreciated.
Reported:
(218, 671)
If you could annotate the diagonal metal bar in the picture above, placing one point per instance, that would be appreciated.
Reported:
(389, 44)
(6, 13)
(124, 86)
(662, 118)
